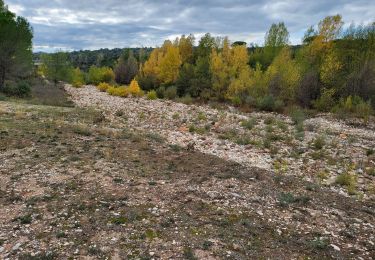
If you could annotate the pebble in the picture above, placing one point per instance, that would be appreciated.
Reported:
(16, 246)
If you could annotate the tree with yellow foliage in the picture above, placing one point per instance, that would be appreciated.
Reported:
(170, 65)
(134, 89)
(164, 63)
(283, 76)
(219, 72)
(229, 70)
(185, 46)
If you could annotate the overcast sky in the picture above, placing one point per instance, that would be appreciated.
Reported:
(94, 24)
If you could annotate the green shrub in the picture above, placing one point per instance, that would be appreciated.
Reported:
(103, 86)
(266, 103)
(97, 75)
(269, 103)
(118, 91)
(187, 99)
(249, 124)
(152, 95)
(297, 115)
(349, 181)
(355, 106)
(21, 89)
(171, 92)
(319, 143)
(326, 100)
(160, 92)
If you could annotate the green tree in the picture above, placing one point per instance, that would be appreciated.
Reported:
(131, 68)
(15, 45)
(56, 66)
(276, 39)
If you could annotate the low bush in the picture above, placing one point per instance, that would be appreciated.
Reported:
(97, 75)
(171, 92)
(152, 95)
(187, 99)
(103, 86)
(326, 100)
(160, 92)
(249, 124)
(349, 181)
(297, 115)
(118, 91)
(319, 143)
(20, 89)
(354, 106)
(269, 103)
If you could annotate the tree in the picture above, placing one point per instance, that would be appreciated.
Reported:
(185, 46)
(15, 45)
(170, 65)
(56, 66)
(126, 68)
(131, 68)
(276, 39)
(184, 80)
(283, 76)
(277, 36)
(98, 75)
(120, 71)
(77, 78)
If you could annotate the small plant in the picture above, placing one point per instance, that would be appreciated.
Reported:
(103, 86)
(151, 234)
(349, 181)
(152, 95)
(243, 140)
(202, 116)
(288, 198)
(269, 120)
(82, 130)
(323, 175)
(320, 243)
(249, 124)
(120, 220)
(187, 100)
(297, 115)
(26, 219)
(176, 116)
(189, 254)
(60, 234)
(319, 143)
(198, 130)
(370, 152)
(207, 245)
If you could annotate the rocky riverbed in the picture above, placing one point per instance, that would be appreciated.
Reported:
(321, 151)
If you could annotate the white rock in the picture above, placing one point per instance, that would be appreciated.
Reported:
(335, 247)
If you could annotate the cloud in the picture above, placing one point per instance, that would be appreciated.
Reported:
(87, 24)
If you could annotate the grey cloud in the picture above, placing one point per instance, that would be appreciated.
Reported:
(87, 24)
